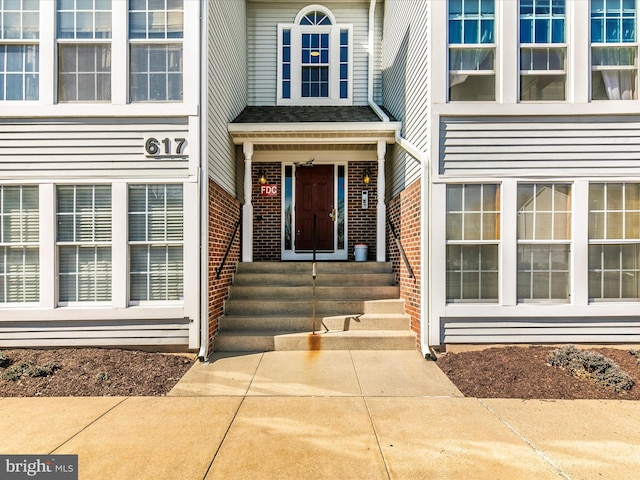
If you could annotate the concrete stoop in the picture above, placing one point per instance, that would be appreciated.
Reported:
(357, 307)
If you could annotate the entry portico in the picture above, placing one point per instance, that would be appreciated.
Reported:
(320, 161)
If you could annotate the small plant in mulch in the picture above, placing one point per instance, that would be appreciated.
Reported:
(102, 377)
(635, 353)
(29, 369)
(589, 364)
(4, 361)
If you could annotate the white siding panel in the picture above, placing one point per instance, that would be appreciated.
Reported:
(562, 330)
(226, 85)
(525, 146)
(262, 28)
(80, 148)
(174, 332)
(405, 75)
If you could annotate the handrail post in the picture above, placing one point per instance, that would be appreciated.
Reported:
(313, 275)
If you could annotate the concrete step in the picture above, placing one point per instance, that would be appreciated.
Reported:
(260, 341)
(270, 308)
(322, 279)
(305, 324)
(384, 306)
(321, 267)
(321, 293)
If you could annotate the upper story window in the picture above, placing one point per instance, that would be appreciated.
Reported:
(84, 50)
(315, 65)
(19, 49)
(543, 72)
(156, 32)
(614, 47)
(472, 74)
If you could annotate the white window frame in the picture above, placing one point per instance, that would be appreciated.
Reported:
(296, 62)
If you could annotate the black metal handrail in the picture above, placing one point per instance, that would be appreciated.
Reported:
(399, 245)
(226, 254)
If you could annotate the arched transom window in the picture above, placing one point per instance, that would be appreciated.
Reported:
(315, 60)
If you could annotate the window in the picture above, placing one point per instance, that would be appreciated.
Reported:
(473, 239)
(84, 243)
(156, 29)
(544, 236)
(84, 51)
(614, 241)
(155, 243)
(472, 74)
(542, 50)
(614, 61)
(19, 235)
(19, 49)
(315, 60)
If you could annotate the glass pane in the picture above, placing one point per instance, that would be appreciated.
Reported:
(540, 285)
(473, 198)
(471, 285)
(614, 225)
(472, 226)
(614, 196)
(489, 285)
(632, 225)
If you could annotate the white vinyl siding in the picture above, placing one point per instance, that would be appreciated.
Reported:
(226, 87)
(405, 71)
(262, 21)
(19, 236)
(522, 146)
(88, 147)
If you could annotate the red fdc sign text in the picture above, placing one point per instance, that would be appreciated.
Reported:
(269, 190)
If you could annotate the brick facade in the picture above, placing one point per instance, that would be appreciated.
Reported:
(404, 212)
(224, 213)
(267, 211)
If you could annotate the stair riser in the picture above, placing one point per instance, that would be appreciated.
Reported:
(328, 293)
(321, 267)
(301, 324)
(295, 279)
(325, 308)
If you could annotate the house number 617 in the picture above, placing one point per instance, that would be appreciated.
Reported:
(154, 147)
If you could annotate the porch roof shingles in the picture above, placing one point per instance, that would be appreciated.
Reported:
(307, 114)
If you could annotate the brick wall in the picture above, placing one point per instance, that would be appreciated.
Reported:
(267, 216)
(362, 223)
(404, 212)
(224, 213)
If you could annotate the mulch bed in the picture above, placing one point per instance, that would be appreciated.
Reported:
(95, 372)
(523, 372)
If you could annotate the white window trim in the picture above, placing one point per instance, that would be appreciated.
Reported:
(296, 63)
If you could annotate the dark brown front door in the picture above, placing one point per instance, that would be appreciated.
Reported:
(314, 196)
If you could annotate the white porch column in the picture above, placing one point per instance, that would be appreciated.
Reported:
(247, 208)
(382, 207)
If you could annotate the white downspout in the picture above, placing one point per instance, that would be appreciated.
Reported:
(203, 353)
(425, 187)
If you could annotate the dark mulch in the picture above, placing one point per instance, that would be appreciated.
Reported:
(95, 372)
(523, 372)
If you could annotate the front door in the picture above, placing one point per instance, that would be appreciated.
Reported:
(315, 197)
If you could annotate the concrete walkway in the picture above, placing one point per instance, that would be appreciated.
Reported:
(326, 415)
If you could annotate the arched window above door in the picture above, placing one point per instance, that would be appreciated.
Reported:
(315, 59)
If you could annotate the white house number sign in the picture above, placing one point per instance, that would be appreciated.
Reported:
(165, 147)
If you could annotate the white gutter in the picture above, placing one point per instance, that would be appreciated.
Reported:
(203, 178)
(425, 192)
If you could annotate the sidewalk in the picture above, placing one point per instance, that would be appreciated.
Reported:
(326, 415)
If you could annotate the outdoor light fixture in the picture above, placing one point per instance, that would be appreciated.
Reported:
(367, 177)
(263, 177)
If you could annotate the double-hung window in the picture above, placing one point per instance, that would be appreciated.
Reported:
(315, 60)
(543, 72)
(544, 242)
(156, 32)
(155, 243)
(472, 50)
(19, 235)
(614, 241)
(473, 240)
(19, 49)
(614, 50)
(84, 50)
(84, 243)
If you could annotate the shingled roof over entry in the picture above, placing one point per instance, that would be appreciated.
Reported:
(307, 114)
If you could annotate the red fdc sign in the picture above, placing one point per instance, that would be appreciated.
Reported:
(269, 190)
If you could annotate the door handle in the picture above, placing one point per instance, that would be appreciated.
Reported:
(333, 215)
